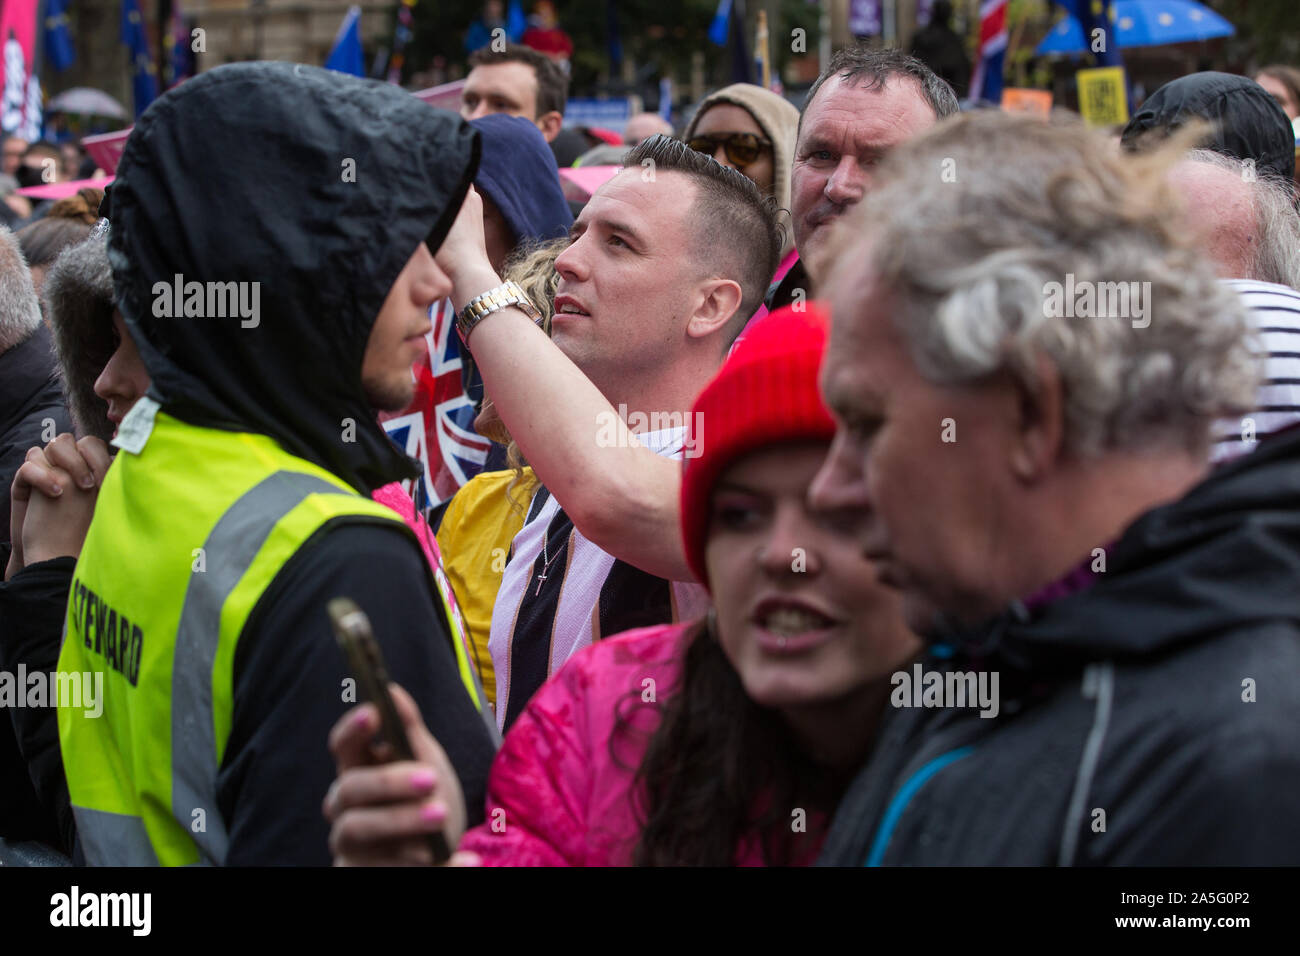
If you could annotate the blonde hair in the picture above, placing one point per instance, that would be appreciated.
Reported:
(533, 267)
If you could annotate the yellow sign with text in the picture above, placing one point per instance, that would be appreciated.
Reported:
(1103, 97)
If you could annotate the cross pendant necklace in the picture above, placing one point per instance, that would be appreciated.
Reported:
(546, 565)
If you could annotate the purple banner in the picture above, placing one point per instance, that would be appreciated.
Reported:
(864, 18)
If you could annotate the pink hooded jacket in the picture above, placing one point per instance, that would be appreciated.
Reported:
(556, 794)
(392, 496)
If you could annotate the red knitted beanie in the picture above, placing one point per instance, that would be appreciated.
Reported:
(765, 392)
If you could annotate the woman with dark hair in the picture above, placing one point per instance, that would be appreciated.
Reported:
(723, 741)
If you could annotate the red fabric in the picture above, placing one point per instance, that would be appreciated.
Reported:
(556, 795)
(765, 392)
(554, 42)
(605, 135)
(761, 312)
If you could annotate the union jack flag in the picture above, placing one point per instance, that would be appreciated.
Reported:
(437, 428)
(986, 79)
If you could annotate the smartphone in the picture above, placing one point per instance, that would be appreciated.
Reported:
(352, 629)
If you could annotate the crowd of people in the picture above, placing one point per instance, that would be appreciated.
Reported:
(866, 483)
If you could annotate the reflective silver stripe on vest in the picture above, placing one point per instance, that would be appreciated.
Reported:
(228, 553)
(113, 839)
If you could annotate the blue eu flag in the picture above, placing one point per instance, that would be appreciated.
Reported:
(144, 80)
(59, 50)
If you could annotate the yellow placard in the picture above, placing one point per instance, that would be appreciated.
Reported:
(1103, 99)
(1017, 99)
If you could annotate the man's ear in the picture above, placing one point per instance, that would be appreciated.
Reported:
(718, 302)
(1040, 435)
(550, 124)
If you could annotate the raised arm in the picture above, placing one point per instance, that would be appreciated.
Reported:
(619, 494)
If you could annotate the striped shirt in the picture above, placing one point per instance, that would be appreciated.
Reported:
(559, 593)
(1274, 311)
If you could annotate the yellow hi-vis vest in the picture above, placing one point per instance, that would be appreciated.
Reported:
(191, 527)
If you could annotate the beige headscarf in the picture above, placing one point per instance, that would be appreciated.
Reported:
(779, 121)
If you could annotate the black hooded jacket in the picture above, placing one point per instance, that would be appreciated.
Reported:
(1247, 122)
(318, 187)
(1150, 719)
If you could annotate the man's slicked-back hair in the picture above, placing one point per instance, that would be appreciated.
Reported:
(736, 229)
(873, 68)
(552, 81)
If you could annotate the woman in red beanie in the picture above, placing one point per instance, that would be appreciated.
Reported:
(724, 741)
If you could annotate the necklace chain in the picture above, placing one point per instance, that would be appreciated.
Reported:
(546, 563)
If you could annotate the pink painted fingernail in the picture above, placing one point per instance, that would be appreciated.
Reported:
(362, 719)
(433, 812)
(422, 779)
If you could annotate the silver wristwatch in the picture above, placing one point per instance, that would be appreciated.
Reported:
(494, 300)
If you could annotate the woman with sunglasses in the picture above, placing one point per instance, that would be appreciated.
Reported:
(724, 741)
(752, 130)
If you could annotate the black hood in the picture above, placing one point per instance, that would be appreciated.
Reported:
(318, 187)
(1248, 123)
(1224, 557)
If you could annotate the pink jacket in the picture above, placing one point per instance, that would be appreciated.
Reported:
(556, 796)
(392, 496)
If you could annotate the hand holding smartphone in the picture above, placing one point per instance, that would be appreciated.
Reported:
(352, 629)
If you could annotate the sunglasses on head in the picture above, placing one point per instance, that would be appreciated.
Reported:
(741, 148)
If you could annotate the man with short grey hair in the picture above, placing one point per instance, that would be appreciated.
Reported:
(1246, 224)
(865, 103)
(1024, 367)
(1245, 220)
(32, 409)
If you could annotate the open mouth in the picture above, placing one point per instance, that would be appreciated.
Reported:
(791, 622)
(567, 306)
(785, 627)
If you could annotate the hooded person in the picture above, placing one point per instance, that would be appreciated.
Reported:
(273, 325)
(1247, 123)
(102, 378)
(778, 120)
(518, 177)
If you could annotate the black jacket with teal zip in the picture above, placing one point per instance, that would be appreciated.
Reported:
(1152, 719)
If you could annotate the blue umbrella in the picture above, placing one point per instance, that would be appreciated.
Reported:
(1144, 23)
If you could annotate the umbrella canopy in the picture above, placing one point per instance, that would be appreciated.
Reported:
(579, 182)
(62, 190)
(1143, 23)
(445, 97)
(84, 99)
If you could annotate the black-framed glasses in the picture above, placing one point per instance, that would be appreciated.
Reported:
(741, 148)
